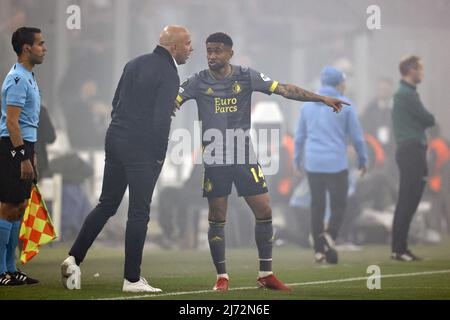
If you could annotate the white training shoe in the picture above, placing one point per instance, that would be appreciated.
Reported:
(70, 274)
(140, 286)
(319, 257)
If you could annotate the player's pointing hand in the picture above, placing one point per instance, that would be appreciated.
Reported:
(334, 103)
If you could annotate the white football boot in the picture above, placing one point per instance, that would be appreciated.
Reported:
(70, 274)
(140, 286)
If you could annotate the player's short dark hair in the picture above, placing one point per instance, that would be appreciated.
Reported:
(23, 35)
(220, 37)
(408, 63)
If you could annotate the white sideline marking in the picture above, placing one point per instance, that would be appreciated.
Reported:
(395, 275)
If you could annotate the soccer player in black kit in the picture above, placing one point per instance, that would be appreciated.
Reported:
(223, 95)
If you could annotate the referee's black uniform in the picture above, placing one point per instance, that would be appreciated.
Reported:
(135, 147)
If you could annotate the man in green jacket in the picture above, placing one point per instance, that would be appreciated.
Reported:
(410, 119)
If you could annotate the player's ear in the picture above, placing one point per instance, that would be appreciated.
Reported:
(231, 53)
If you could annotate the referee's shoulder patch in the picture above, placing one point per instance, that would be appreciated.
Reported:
(16, 79)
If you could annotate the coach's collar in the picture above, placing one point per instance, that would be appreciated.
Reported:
(165, 53)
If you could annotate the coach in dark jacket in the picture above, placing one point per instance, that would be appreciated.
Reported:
(135, 149)
(410, 119)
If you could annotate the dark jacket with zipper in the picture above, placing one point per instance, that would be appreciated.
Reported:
(409, 116)
(143, 102)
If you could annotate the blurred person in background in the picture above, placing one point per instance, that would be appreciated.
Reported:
(438, 155)
(46, 134)
(268, 117)
(321, 148)
(376, 122)
(376, 119)
(410, 119)
(179, 210)
(75, 203)
(85, 88)
(87, 117)
(368, 197)
(83, 92)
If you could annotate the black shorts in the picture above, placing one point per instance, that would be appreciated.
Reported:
(248, 179)
(12, 188)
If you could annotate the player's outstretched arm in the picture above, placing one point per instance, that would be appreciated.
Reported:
(292, 92)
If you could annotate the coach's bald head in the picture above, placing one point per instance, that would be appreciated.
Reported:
(177, 40)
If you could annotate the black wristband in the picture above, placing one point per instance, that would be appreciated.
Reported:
(19, 153)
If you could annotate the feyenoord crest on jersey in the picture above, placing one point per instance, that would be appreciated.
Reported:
(236, 87)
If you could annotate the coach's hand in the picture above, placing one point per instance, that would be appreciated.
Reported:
(335, 104)
(26, 170)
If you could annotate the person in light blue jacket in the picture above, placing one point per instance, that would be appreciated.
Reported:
(321, 142)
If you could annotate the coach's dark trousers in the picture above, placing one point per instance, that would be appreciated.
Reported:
(125, 165)
(412, 164)
(337, 186)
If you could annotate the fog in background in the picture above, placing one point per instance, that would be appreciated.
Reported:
(290, 41)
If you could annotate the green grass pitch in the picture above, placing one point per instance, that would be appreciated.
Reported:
(190, 275)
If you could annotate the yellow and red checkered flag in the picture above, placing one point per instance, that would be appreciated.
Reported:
(36, 228)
